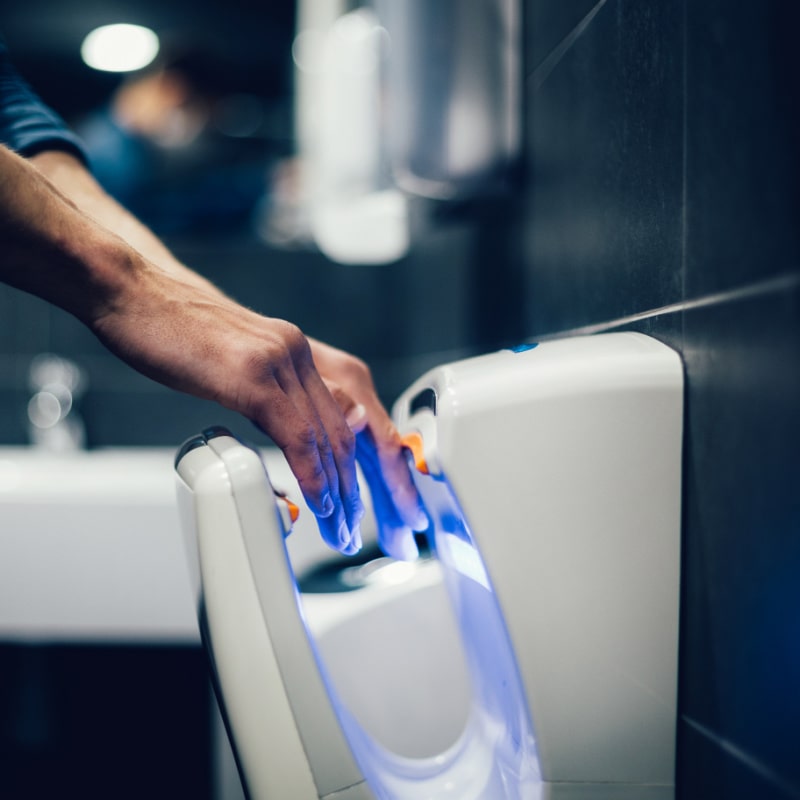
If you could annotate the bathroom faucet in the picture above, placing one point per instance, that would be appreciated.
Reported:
(54, 423)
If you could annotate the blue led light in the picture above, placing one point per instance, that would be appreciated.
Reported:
(524, 347)
(466, 560)
(496, 755)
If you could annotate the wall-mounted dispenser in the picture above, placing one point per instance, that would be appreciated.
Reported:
(356, 215)
(452, 93)
(552, 477)
(395, 99)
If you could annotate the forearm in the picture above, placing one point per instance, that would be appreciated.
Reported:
(70, 176)
(52, 249)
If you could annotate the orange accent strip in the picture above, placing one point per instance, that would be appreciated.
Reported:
(413, 441)
(294, 511)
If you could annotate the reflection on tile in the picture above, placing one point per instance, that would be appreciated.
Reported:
(743, 163)
(707, 771)
(603, 234)
(548, 23)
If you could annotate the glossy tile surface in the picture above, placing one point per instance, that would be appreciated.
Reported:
(604, 213)
(662, 173)
(547, 24)
(740, 657)
(710, 770)
(743, 162)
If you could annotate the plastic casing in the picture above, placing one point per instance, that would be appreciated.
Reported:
(554, 496)
(565, 460)
(276, 705)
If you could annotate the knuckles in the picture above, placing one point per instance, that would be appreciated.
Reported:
(344, 447)
(284, 348)
(295, 341)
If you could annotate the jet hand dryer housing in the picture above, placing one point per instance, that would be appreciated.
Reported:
(552, 479)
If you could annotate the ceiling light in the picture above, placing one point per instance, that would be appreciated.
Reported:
(119, 48)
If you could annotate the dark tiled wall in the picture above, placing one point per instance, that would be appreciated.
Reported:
(660, 193)
(98, 721)
(663, 196)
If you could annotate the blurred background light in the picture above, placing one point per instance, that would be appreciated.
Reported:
(120, 48)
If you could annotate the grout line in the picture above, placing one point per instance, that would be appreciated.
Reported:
(761, 769)
(540, 74)
(685, 164)
(784, 282)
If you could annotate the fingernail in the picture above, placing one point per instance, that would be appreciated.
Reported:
(421, 521)
(408, 549)
(355, 543)
(400, 544)
(344, 535)
(327, 505)
(356, 418)
(358, 513)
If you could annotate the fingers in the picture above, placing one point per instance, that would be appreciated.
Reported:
(290, 420)
(382, 455)
(394, 536)
(307, 424)
(355, 414)
(350, 382)
(341, 460)
(394, 468)
(398, 511)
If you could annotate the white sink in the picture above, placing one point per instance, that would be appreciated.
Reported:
(91, 547)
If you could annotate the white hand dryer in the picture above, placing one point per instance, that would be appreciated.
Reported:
(552, 477)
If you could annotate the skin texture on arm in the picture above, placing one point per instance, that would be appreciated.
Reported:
(75, 182)
(174, 326)
(184, 334)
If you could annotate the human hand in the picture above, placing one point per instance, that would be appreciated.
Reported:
(397, 505)
(172, 325)
(202, 343)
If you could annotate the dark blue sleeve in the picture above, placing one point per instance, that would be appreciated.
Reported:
(27, 125)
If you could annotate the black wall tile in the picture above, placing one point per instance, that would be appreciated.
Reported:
(25, 328)
(709, 770)
(740, 649)
(6, 320)
(614, 227)
(13, 429)
(151, 415)
(71, 338)
(416, 305)
(743, 192)
(104, 721)
(548, 23)
(604, 211)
